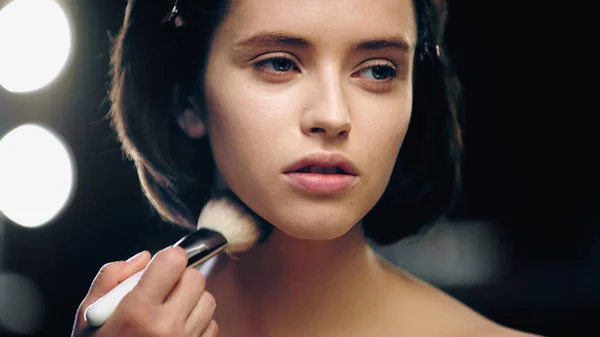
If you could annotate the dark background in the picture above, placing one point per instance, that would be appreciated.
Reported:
(526, 172)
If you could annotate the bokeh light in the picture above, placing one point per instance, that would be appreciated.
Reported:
(452, 254)
(35, 40)
(21, 304)
(36, 175)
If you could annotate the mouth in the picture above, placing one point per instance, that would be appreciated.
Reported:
(316, 169)
(323, 174)
(323, 163)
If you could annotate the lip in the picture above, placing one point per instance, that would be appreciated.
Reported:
(325, 160)
(320, 183)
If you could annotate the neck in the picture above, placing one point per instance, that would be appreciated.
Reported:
(289, 282)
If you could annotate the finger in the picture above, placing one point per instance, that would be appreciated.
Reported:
(111, 274)
(212, 330)
(83, 330)
(186, 293)
(162, 273)
(198, 321)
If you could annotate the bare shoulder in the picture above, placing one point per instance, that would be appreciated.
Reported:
(475, 325)
(436, 313)
(472, 324)
(500, 331)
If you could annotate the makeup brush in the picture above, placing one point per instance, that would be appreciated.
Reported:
(225, 225)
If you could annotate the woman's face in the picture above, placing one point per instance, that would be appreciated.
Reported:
(325, 79)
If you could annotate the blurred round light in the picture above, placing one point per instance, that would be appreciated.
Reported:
(35, 41)
(36, 175)
(464, 253)
(21, 304)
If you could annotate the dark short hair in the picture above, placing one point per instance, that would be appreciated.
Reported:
(150, 57)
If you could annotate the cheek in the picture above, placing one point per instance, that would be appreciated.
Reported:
(382, 134)
(247, 127)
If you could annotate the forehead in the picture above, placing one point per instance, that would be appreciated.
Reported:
(323, 21)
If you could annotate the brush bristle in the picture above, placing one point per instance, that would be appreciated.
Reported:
(233, 221)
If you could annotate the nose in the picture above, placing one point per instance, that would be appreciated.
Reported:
(329, 115)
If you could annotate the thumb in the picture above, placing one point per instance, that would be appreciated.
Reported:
(111, 274)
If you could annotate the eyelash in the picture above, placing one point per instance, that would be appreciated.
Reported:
(262, 65)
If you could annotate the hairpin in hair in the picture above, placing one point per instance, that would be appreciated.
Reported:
(175, 16)
(430, 49)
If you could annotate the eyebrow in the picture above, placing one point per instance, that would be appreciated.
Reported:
(282, 39)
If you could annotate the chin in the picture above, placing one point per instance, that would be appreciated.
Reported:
(315, 228)
(303, 218)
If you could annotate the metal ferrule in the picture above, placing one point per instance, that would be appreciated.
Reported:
(201, 245)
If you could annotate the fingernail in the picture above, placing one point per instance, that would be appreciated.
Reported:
(136, 256)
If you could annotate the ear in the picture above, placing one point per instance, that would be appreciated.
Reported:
(191, 124)
(189, 120)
